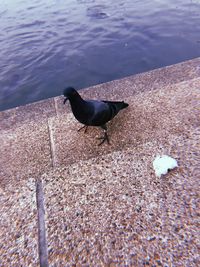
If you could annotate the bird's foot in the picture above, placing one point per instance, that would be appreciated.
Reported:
(85, 126)
(103, 138)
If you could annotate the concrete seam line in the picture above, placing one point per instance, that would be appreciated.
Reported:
(42, 241)
(51, 143)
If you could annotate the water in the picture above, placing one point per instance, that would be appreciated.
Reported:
(49, 44)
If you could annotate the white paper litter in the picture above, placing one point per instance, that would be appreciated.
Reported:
(162, 164)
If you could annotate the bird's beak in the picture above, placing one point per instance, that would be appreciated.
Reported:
(65, 100)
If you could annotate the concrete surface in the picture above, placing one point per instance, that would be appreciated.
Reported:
(24, 150)
(150, 115)
(18, 224)
(103, 205)
(113, 211)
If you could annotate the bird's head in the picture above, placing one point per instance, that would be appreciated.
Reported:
(69, 93)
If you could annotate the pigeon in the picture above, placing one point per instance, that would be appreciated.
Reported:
(93, 112)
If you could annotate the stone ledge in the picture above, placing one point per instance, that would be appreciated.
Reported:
(34, 112)
(35, 147)
(150, 115)
(116, 89)
(138, 83)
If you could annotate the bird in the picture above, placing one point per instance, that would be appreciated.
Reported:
(93, 112)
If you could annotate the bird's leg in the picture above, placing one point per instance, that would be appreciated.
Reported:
(105, 137)
(85, 126)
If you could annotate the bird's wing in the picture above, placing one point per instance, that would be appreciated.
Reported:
(100, 112)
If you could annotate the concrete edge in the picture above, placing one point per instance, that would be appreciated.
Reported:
(115, 89)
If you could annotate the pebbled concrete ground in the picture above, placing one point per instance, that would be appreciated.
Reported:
(150, 115)
(18, 224)
(113, 211)
(103, 206)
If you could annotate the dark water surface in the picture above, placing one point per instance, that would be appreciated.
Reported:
(46, 45)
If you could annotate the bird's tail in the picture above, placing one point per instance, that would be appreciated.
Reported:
(118, 104)
(124, 105)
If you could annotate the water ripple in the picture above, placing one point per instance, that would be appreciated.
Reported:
(47, 44)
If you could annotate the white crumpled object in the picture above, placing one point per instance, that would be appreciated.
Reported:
(162, 164)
